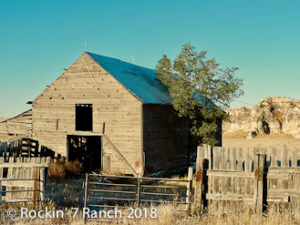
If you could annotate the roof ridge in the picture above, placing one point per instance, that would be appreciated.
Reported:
(87, 52)
(140, 81)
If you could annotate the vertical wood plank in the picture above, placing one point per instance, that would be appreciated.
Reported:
(233, 179)
(294, 157)
(198, 157)
(239, 181)
(209, 167)
(223, 179)
(273, 157)
(284, 156)
(1, 167)
(200, 185)
(189, 189)
(36, 186)
(247, 169)
(215, 206)
(216, 158)
(42, 187)
(259, 163)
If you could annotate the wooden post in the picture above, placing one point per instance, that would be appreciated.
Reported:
(189, 189)
(198, 157)
(42, 185)
(259, 163)
(138, 191)
(199, 186)
(85, 192)
(36, 174)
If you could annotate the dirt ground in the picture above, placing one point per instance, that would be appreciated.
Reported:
(238, 139)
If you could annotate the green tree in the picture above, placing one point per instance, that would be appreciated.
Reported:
(199, 90)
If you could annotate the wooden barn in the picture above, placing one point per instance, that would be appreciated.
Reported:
(16, 127)
(112, 115)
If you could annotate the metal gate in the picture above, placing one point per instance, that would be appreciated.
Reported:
(109, 191)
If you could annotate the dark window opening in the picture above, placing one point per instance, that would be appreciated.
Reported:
(84, 117)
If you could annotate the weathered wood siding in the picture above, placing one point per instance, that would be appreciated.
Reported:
(165, 138)
(86, 82)
(16, 127)
(231, 179)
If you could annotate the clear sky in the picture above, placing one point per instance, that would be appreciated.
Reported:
(38, 39)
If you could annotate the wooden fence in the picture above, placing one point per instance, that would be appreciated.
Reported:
(26, 147)
(22, 180)
(257, 179)
(108, 191)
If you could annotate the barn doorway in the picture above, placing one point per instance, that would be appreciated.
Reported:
(86, 149)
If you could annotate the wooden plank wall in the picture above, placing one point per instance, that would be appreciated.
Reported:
(247, 179)
(16, 127)
(13, 173)
(164, 133)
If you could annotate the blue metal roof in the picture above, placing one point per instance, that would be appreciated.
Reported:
(140, 81)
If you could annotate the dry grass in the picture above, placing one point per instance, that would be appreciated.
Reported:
(275, 136)
(237, 134)
(74, 167)
(265, 141)
(167, 215)
(56, 170)
(242, 135)
(62, 169)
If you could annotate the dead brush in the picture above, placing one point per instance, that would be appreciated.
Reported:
(62, 169)
(74, 167)
(56, 170)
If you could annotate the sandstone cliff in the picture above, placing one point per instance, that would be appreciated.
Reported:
(271, 115)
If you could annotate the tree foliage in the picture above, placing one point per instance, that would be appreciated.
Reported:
(199, 88)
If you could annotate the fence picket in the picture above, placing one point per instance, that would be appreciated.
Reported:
(294, 157)
(284, 156)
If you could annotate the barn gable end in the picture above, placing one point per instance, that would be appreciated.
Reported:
(116, 114)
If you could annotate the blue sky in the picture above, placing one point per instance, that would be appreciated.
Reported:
(38, 39)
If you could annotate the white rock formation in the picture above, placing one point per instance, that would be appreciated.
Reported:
(271, 115)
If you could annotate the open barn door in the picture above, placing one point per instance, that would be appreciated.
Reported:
(86, 149)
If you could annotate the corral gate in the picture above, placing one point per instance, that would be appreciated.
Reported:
(108, 191)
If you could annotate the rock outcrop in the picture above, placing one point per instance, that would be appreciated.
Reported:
(271, 115)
